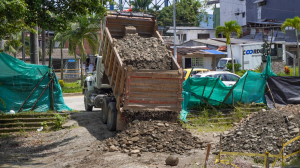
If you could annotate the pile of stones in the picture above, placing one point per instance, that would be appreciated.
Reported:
(144, 53)
(153, 136)
(264, 131)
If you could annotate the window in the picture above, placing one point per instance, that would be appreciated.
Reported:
(184, 37)
(197, 62)
(262, 3)
(230, 77)
(203, 36)
(243, 14)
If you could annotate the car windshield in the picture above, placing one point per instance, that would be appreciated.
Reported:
(222, 63)
(196, 76)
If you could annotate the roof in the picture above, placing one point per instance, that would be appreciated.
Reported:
(210, 2)
(238, 41)
(210, 42)
(190, 28)
(214, 51)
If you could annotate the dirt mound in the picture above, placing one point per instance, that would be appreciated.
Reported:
(153, 136)
(264, 131)
(144, 53)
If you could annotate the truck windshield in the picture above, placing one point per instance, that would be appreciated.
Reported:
(222, 63)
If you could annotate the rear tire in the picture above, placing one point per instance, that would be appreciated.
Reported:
(106, 101)
(112, 116)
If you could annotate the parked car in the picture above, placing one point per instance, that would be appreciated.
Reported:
(187, 72)
(227, 78)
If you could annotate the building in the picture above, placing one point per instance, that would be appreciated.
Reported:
(187, 33)
(233, 10)
(207, 21)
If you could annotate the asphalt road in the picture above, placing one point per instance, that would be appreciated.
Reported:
(75, 102)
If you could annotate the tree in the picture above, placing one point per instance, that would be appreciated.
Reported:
(140, 5)
(227, 29)
(294, 23)
(85, 29)
(13, 45)
(186, 14)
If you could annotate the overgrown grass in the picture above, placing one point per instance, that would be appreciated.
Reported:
(73, 87)
(294, 162)
(291, 73)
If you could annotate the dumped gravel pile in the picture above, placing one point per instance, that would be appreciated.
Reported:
(144, 53)
(264, 131)
(153, 136)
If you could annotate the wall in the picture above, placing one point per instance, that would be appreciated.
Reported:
(207, 22)
(207, 63)
(229, 8)
(193, 34)
(279, 10)
(216, 17)
(277, 66)
(251, 11)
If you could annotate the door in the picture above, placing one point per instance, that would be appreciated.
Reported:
(188, 63)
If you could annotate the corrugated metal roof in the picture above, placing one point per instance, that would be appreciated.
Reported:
(214, 51)
(190, 28)
(210, 42)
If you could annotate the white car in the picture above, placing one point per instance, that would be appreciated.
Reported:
(227, 78)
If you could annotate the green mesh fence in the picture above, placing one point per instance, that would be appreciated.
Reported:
(18, 79)
(250, 88)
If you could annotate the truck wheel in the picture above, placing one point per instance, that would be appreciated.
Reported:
(86, 105)
(112, 116)
(106, 101)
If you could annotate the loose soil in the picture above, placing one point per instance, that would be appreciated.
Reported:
(82, 147)
(144, 53)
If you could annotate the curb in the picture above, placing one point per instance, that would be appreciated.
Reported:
(72, 94)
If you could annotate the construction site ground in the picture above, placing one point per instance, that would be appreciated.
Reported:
(80, 147)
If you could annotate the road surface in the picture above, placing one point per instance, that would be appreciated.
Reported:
(76, 103)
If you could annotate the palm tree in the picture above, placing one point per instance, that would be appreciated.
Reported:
(85, 29)
(294, 23)
(13, 45)
(231, 26)
(140, 5)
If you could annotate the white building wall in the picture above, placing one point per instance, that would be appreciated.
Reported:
(229, 10)
(207, 63)
(193, 34)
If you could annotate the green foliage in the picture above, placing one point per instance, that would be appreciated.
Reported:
(295, 161)
(73, 87)
(295, 23)
(61, 83)
(237, 66)
(140, 5)
(187, 14)
(12, 15)
(231, 26)
(60, 120)
(44, 124)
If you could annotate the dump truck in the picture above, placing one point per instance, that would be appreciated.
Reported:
(116, 87)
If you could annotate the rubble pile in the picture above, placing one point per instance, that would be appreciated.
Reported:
(153, 136)
(263, 132)
(144, 53)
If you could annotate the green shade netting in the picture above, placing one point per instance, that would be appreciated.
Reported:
(250, 88)
(18, 79)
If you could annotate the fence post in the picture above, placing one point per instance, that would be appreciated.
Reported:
(207, 155)
(282, 155)
(220, 148)
(267, 159)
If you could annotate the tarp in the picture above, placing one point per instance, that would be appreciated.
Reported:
(250, 88)
(285, 90)
(18, 79)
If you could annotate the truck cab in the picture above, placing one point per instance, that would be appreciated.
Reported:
(221, 66)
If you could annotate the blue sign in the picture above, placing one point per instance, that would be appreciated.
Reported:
(248, 52)
(71, 60)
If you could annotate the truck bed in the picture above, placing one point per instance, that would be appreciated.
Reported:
(136, 89)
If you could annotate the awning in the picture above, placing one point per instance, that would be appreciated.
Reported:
(214, 52)
(257, 1)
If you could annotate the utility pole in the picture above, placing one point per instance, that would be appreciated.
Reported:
(50, 78)
(174, 21)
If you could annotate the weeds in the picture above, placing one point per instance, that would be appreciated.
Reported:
(44, 124)
(60, 120)
(294, 162)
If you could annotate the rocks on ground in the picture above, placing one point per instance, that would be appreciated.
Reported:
(172, 160)
(153, 136)
(264, 131)
(144, 53)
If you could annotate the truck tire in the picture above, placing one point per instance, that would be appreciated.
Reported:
(112, 116)
(86, 104)
(106, 101)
